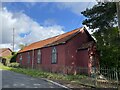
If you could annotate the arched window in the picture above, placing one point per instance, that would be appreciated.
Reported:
(20, 58)
(39, 56)
(28, 57)
(54, 55)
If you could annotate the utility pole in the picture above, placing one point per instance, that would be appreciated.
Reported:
(13, 38)
(118, 14)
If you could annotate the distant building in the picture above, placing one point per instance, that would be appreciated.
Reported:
(65, 53)
(5, 52)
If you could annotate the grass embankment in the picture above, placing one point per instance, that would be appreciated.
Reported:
(63, 79)
(4, 67)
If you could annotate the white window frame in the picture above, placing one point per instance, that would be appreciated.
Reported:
(54, 56)
(39, 56)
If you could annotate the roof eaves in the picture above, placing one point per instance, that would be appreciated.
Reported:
(73, 36)
(54, 44)
(44, 47)
(65, 40)
(93, 38)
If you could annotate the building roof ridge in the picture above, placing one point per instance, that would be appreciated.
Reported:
(51, 41)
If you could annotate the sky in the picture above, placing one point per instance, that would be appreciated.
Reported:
(35, 21)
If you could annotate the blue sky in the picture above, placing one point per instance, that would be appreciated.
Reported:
(42, 11)
(35, 21)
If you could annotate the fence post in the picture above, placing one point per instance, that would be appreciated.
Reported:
(116, 72)
(95, 77)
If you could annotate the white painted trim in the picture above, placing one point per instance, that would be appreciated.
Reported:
(55, 83)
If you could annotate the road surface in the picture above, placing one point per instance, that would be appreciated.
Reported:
(15, 80)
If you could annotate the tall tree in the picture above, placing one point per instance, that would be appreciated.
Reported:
(102, 18)
(102, 15)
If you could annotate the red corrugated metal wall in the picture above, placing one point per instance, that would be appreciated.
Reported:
(74, 58)
(67, 56)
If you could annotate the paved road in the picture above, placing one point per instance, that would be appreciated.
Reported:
(16, 80)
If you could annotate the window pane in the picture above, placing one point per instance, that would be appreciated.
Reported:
(20, 58)
(28, 56)
(54, 55)
(39, 57)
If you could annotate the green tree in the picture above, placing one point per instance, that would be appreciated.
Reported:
(102, 15)
(102, 19)
(109, 47)
(22, 46)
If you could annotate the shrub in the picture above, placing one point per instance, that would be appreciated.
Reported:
(7, 59)
(13, 58)
(3, 60)
(15, 65)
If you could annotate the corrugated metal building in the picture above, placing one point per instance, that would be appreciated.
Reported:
(64, 53)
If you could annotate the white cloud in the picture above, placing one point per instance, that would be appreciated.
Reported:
(50, 22)
(6, 46)
(23, 24)
(76, 7)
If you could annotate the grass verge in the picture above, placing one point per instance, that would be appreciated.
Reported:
(73, 80)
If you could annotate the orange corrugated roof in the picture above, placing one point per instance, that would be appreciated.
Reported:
(51, 41)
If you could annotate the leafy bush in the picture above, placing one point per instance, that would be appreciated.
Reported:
(3, 60)
(7, 59)
(13, 58)
(15, 65)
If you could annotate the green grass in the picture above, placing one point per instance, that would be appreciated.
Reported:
(71, 79)
(4, 67)
(43, 74)
(48, 75)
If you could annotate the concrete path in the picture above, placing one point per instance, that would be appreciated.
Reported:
(16, 80)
